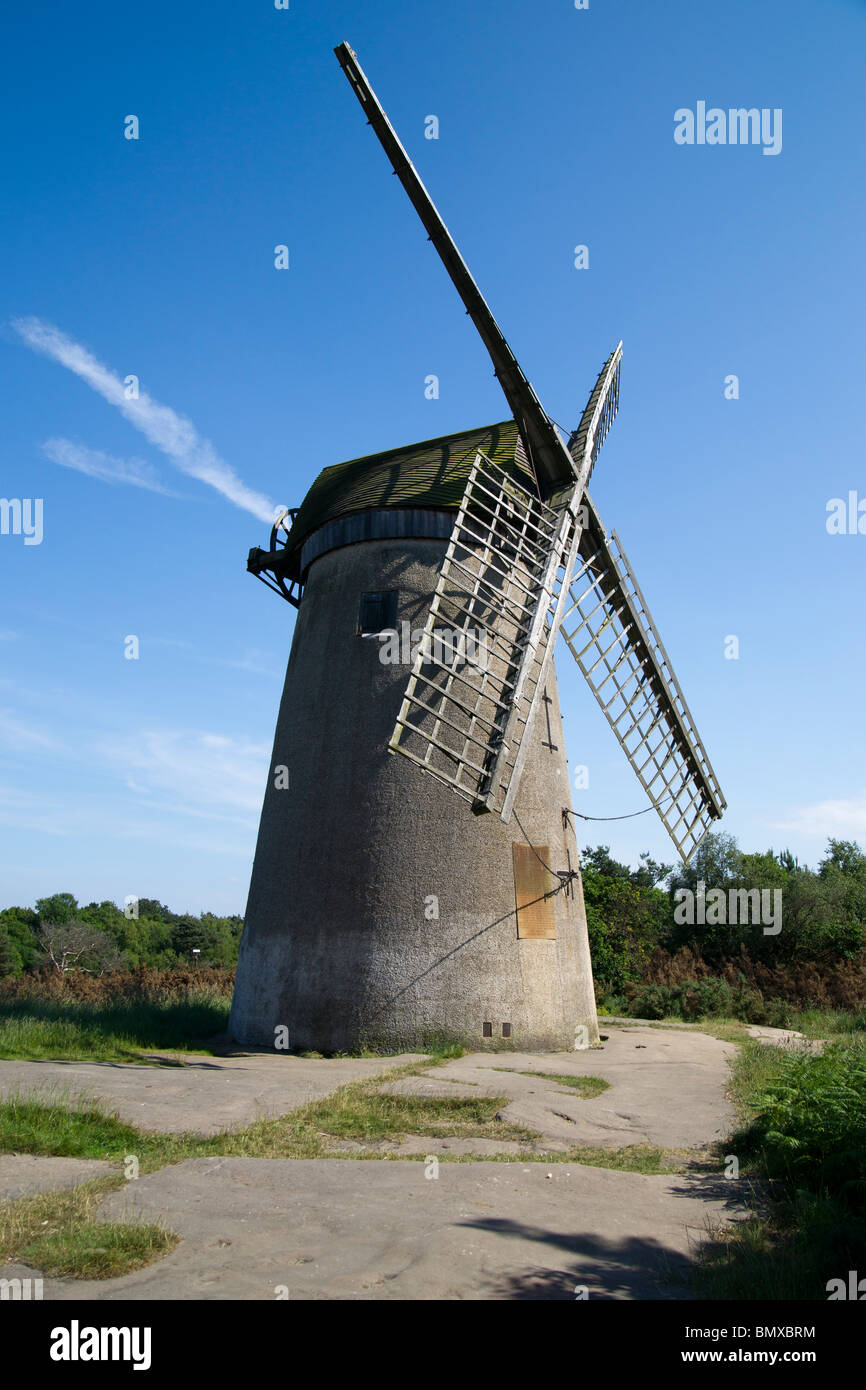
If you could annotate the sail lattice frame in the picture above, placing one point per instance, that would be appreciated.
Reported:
(599, 414)
(500, 593)
(612, 637)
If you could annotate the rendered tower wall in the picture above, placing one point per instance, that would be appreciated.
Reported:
(339, 944)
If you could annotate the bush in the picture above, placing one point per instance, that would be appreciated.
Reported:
(128, 986)
(690, 999)
(685, 985)
(811, 1123)
(808, 1136)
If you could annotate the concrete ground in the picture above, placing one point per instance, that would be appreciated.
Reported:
(666, 1088)
(203, 1095)
(362, 1229)
(375, 1228)
(23, 1175)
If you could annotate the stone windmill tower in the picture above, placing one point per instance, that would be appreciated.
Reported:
(393, 909)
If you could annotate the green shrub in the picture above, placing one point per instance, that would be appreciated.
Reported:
(709, 996)
(811, 1123)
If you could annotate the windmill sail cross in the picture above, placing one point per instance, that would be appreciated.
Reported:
(473, 739)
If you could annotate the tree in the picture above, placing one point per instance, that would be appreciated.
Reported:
(58, 909)
(77, 946)
(601, 861)
(650, 872)
(844, 855)
(226, 935)
(157, 911)
(189, 934)
(625, 920)
(105, 916)
(717, 862)
(10, 960)
(19, 924)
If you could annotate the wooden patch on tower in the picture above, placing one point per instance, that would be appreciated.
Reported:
(535, 919)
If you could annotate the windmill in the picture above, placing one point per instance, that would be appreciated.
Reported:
(392, 909)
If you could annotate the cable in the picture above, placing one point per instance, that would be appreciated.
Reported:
(567, 811)
(387, 1003)
(534, 850)
(565, 878)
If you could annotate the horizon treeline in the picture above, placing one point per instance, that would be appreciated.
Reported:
(58, 932)
(631, 916)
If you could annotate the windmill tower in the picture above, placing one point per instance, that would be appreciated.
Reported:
(399, 900)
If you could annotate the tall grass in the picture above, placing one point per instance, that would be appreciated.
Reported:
(113, 1018)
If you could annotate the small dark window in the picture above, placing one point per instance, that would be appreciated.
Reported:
(506, 1030)
(487, 1030)
(377, 612)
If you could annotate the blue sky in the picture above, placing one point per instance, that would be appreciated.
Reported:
(155, 257)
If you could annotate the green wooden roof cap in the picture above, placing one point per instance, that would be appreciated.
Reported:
(432, 473)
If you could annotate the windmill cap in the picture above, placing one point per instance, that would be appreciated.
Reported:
(428, 476)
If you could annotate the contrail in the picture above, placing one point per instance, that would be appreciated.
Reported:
(176, 436)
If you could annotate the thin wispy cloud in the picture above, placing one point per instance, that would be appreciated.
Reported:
(16, 734)
(173, 434)
(135, 472)
(841, 818)
(108, 818)
(147, 785)
(198, 769)
(26, 810)
(252, 660)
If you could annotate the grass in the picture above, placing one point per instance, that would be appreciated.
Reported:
(367, 1115)
(80, 1030)
(834, 1024)
(90, 1251)
(802, 1136)
(586, 1086)
(790, 1255)
(446, 1051)
(358, 1111)
(63, 1129)
(361, 1111)
(127, 1020)
(636, 1158)
(55, 1232)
